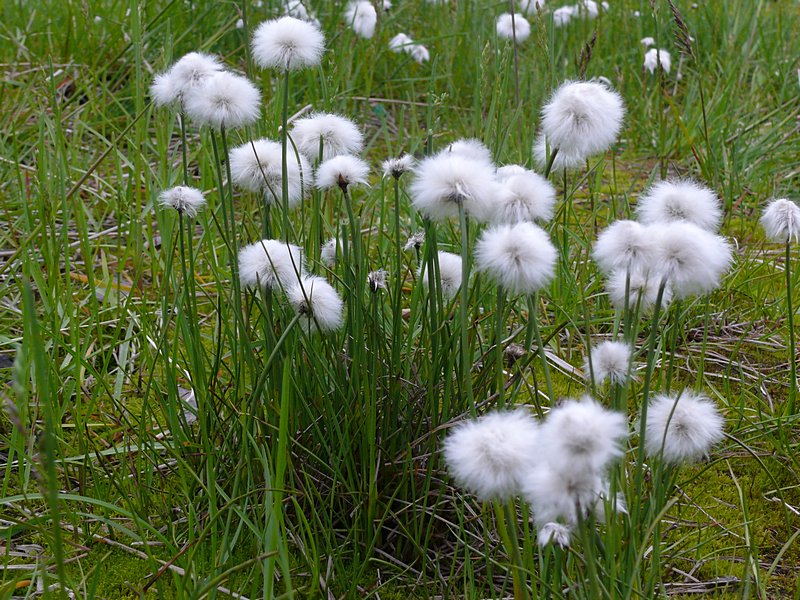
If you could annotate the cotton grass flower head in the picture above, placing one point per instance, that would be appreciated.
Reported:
(338, 134)
(692, 259)
(188, 72)
(362, 17)
(419, 53)
(224, 100)
(684, 200)
(582, 118)
(655, 57)
(329, 251)
(507, 171)
(447, 181)
(647, 42)
(520, 258)
(624, 245)
(400, 42)
(781, 221)
(296, 9)
(186, 200)
(287, 44)
(530, 197)
(270, 264)
(342, 171)
(415, 241)
(317, 303)
(609, 360)
(559, 495)
(377, 280)
(515, 28)
(450, 273)
(587, 8)
(395, 167)
(642, 289)
(257, 167)
(489, 455)
(682, 428)
(562, 16)
(554, 533)
(582, 437)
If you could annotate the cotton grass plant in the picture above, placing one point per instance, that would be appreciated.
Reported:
(340, 400)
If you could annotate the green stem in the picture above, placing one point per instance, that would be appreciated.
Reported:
(466, 358)
(790, 315)
(533, 322)
(498, 345)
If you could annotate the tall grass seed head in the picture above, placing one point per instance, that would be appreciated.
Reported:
(489, 455)
(446, 181)
(530, 197)
(188, 72)
(609, 360)
(270, 264)
(342, 171)
(362, 17)
(224, 100)
(582, 118)
(450, 274)
(692, 259)
(519, 258)
(686, 200)
(186, 200)
(338, 134)
(515, 28)
(682, 428)
(318, 303)
(781, 221)
(257, 167)
(288, 44)
(624, 245)
(395, 167)
(655, 57)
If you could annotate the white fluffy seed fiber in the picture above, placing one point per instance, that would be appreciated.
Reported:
(682, 428)
(223, 100)
(624, 245)
(185, 200)
(342, 171)
(319, 305)
(270, 264)
(488, 456)
(257, 167)
(668, 201)
(362, 17)
(520, 258)
(514, 28)
(450, 273)
(288, 44)
(781, 221)
(609, 360)
(337, 134)
(530, 197)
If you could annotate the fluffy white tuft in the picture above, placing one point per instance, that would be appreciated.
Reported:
(563, 159)
(642, 289)
(362, 17)
(342, 171)
(682, 428)
(489, 455)
(582, 118)
(587, 8)
(288, 44)
(582, 438)
(506, 171)
(507, 24)
(781, 221)
(186, 200)
(318, 304)
(377, 280)
(419, 53)
(257, 167)
(554, 533)
(655, 57)
(470, 148)
(447, 180)
(450, 273)
(668, 201)
(395, 167)
(530, 197)
(329, 251)
(189, 72)
(270, 264)
(338, 134)
(415, 241)
(296, 9)
(562, 16)
(400, 43)
(647, 42)
(609, 360)
(692, 259)
(557, 494)
(224, 100)
(519, 258)
(531, 7)
(624, 245)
